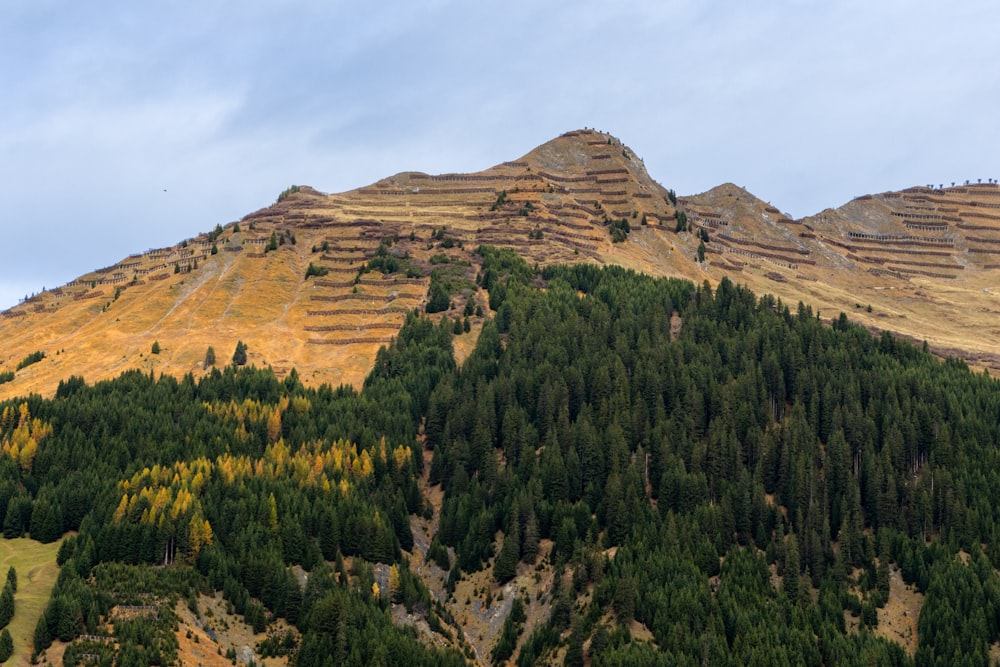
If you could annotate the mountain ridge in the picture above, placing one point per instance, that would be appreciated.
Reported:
(918, 262)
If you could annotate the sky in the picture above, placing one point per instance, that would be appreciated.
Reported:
(128, 125)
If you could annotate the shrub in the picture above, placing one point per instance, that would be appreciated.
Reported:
(384, 264)
(501, 199)
(619, 230)
(315, 270)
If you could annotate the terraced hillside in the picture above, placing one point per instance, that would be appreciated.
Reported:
(924, 260)
(319, 282)
(371, 253)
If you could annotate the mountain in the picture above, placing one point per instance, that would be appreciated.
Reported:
(542, 460)
(919, 263)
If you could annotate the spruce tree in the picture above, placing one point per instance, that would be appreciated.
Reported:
(505, 566)
(530, 545)
(240, 354)
(790, 575)
(6, 606)
(6, 645)
(13, 525)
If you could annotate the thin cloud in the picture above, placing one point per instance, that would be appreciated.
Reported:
(806, 103)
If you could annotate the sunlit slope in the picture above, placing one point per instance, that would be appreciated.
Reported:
(923, 259)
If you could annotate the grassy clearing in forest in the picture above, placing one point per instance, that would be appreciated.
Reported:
(36, 575)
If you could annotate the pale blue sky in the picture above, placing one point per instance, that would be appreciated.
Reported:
(105, 105)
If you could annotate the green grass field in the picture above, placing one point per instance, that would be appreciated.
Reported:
(36, 575)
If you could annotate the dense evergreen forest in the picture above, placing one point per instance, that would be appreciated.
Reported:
(728, 471)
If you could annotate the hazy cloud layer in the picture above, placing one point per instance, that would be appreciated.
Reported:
(130, 125)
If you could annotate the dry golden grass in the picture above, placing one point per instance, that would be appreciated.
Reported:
(897, 621)
(265, 300)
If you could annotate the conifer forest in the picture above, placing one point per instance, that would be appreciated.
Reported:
(726, 470)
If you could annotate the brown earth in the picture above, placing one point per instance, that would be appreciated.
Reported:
(897, 621)
(204, 638)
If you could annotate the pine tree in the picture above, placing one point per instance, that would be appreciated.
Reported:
(43, 636)
(438, 298)
(6, 606)
(13, 523)
(240, 354)
(505, 566)
(46, 522)
(12, 578)
(790, 575)
(6, 645)
(574, 648)
(530, 544)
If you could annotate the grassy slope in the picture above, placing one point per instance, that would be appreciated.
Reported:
(36, 575)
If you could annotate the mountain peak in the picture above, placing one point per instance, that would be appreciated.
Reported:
(318, 282)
